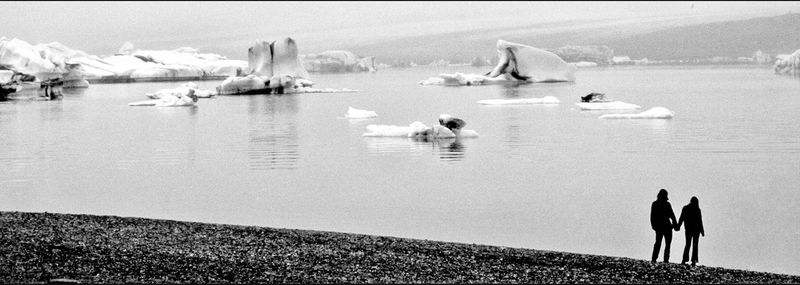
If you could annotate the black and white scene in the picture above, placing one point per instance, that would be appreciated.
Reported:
(399, 142)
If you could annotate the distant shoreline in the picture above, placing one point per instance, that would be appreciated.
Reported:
(42, 247)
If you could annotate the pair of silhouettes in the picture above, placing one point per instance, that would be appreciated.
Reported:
(662, 219)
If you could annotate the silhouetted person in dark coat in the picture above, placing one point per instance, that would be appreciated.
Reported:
(662, 219)
(693, 228)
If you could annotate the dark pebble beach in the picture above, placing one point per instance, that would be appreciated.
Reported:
(52, 248)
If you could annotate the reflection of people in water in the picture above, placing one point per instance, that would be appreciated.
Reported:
(693, 228)
(662, 220)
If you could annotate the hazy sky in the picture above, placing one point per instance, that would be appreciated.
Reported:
(101, 27)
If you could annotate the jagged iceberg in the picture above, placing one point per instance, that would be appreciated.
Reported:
(613, 105)
(528, 63)
(516, 63)
(42, 69)
(653, 113)
(545, 100)
(353, 113)
(271, 66)
(77, 68)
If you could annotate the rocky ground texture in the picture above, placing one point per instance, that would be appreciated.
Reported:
(42, 247)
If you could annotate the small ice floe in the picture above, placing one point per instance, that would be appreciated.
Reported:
(170, 100)
(448, 127)
(353, 113)
(653, 113)
(598, 101)
(545, 100)
(183, 90)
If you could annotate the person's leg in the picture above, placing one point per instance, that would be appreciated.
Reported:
(686, 247)
(657, 246)
(667, 242)
(695, 241)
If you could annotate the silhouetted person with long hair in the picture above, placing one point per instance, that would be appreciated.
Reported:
(693, 228)
(662, 219)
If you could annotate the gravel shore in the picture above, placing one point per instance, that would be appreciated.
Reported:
(41, 247)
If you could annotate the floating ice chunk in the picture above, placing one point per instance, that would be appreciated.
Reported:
(462, 79)
(170, 100)
(614, 105)
(432, 81)
(387, 131)
(183, 90)
(653, 113)
(545, 100)
(353, 113)
(417, 130)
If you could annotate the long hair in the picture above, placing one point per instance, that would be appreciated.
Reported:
(694, 202)
(662, 195)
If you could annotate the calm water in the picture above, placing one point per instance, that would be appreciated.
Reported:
(543, 177)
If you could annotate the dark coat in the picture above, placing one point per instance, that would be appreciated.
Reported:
(693, 219)
(660, 216)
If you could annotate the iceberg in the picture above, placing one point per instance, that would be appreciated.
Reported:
(516, 63)
(271, 67)
(613, 105)
(789, 64)
(545, 100)
(77, 68)
(653, 113)
(353, 113)
(528, 63)
(338, 61)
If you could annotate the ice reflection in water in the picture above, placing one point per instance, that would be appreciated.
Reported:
(272, 139)
(447, 149)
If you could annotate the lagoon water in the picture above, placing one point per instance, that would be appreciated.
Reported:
(548, 177)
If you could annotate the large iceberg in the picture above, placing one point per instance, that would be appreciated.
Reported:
(528, 63)
(788, 63)
(653, 113)
(516, 63)
(49, 65)
(271, 66)
(77, 68)
(338, 61)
